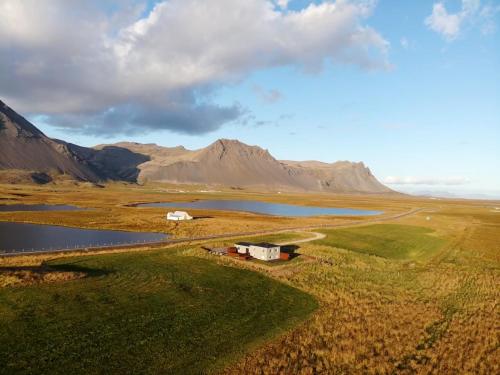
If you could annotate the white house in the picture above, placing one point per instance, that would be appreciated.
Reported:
(243, 247)
(178, 215)
(262, 251)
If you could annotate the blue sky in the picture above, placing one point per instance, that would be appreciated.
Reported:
(427, 121)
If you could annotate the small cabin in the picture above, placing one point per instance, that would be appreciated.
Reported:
(178, 216)
(263, 251)
(243, 247)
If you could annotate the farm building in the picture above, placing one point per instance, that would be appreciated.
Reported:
(243, 247)
(178, 216)
(262, 251)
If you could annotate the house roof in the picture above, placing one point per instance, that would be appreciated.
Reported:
(260, 244)
(243, 243)
(267, 245)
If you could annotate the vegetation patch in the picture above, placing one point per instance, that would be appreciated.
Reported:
(383, 316)
(163, 312)
(158, 312)
(277, 238)
(111, 208)
(11, 276)
(391, 241)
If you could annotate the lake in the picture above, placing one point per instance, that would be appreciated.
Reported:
(266, 208)
(38, 207)
(38, 237)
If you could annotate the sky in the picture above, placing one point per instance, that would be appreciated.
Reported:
(411, 88)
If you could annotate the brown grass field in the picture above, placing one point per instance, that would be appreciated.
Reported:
(432, 307)
(110, 210)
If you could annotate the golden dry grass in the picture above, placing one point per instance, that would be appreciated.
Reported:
(436, 314)
(390, 316)
(110, 210)
(21, 276)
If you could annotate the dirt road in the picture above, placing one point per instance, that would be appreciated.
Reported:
(315, 236)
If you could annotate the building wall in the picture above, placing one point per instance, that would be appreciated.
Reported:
(264, 253)
(177, 217)
(242, 249)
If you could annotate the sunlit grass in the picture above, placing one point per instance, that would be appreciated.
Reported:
(143, 313)
(417, 295)
(386, 240)
(381, 315)
(111, 209)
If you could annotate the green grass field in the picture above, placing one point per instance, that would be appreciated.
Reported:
(393, 241)
(426, 302)
(155, 312)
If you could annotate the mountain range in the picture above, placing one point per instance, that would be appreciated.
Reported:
(225, 162)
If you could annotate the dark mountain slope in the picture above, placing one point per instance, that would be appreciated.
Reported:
(224, 162)
(23, 146)
(233, 163)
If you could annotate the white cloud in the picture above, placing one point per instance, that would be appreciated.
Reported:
(450, 25)
(404, 43)
(487, 16)
(283, 4)
(267, 96)
(410, 180)
(444, 23)
(74, 61)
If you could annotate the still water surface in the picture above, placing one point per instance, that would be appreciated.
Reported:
(37, 237)
(38, 207)
(277, 209)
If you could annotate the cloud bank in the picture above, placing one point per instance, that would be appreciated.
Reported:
(410, 180)
(449, 25)
(125, 68)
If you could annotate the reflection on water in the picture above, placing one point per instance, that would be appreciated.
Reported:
(38, 207)
(264, 208)
(37, 237)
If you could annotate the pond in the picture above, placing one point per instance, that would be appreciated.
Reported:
(38, 237)
(277, 209)
(38, 207)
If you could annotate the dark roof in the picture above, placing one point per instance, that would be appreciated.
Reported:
(260, 244)
(265, 244)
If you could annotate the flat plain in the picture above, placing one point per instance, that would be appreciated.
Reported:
(411, 294)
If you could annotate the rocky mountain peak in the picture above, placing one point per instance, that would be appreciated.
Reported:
(24, 147)
(16, 125)
(226, 162)
(232, 148)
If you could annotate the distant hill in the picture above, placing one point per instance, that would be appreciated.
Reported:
(341, 176)
(224, 162)
(233, 163)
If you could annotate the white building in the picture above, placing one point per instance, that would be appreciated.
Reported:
(178, 215)
(262, 251)
(243, 247)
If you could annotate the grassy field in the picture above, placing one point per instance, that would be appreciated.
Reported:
(437, 315)
(415, 295)
(391, 241)
(110, 208)
(159, 312)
